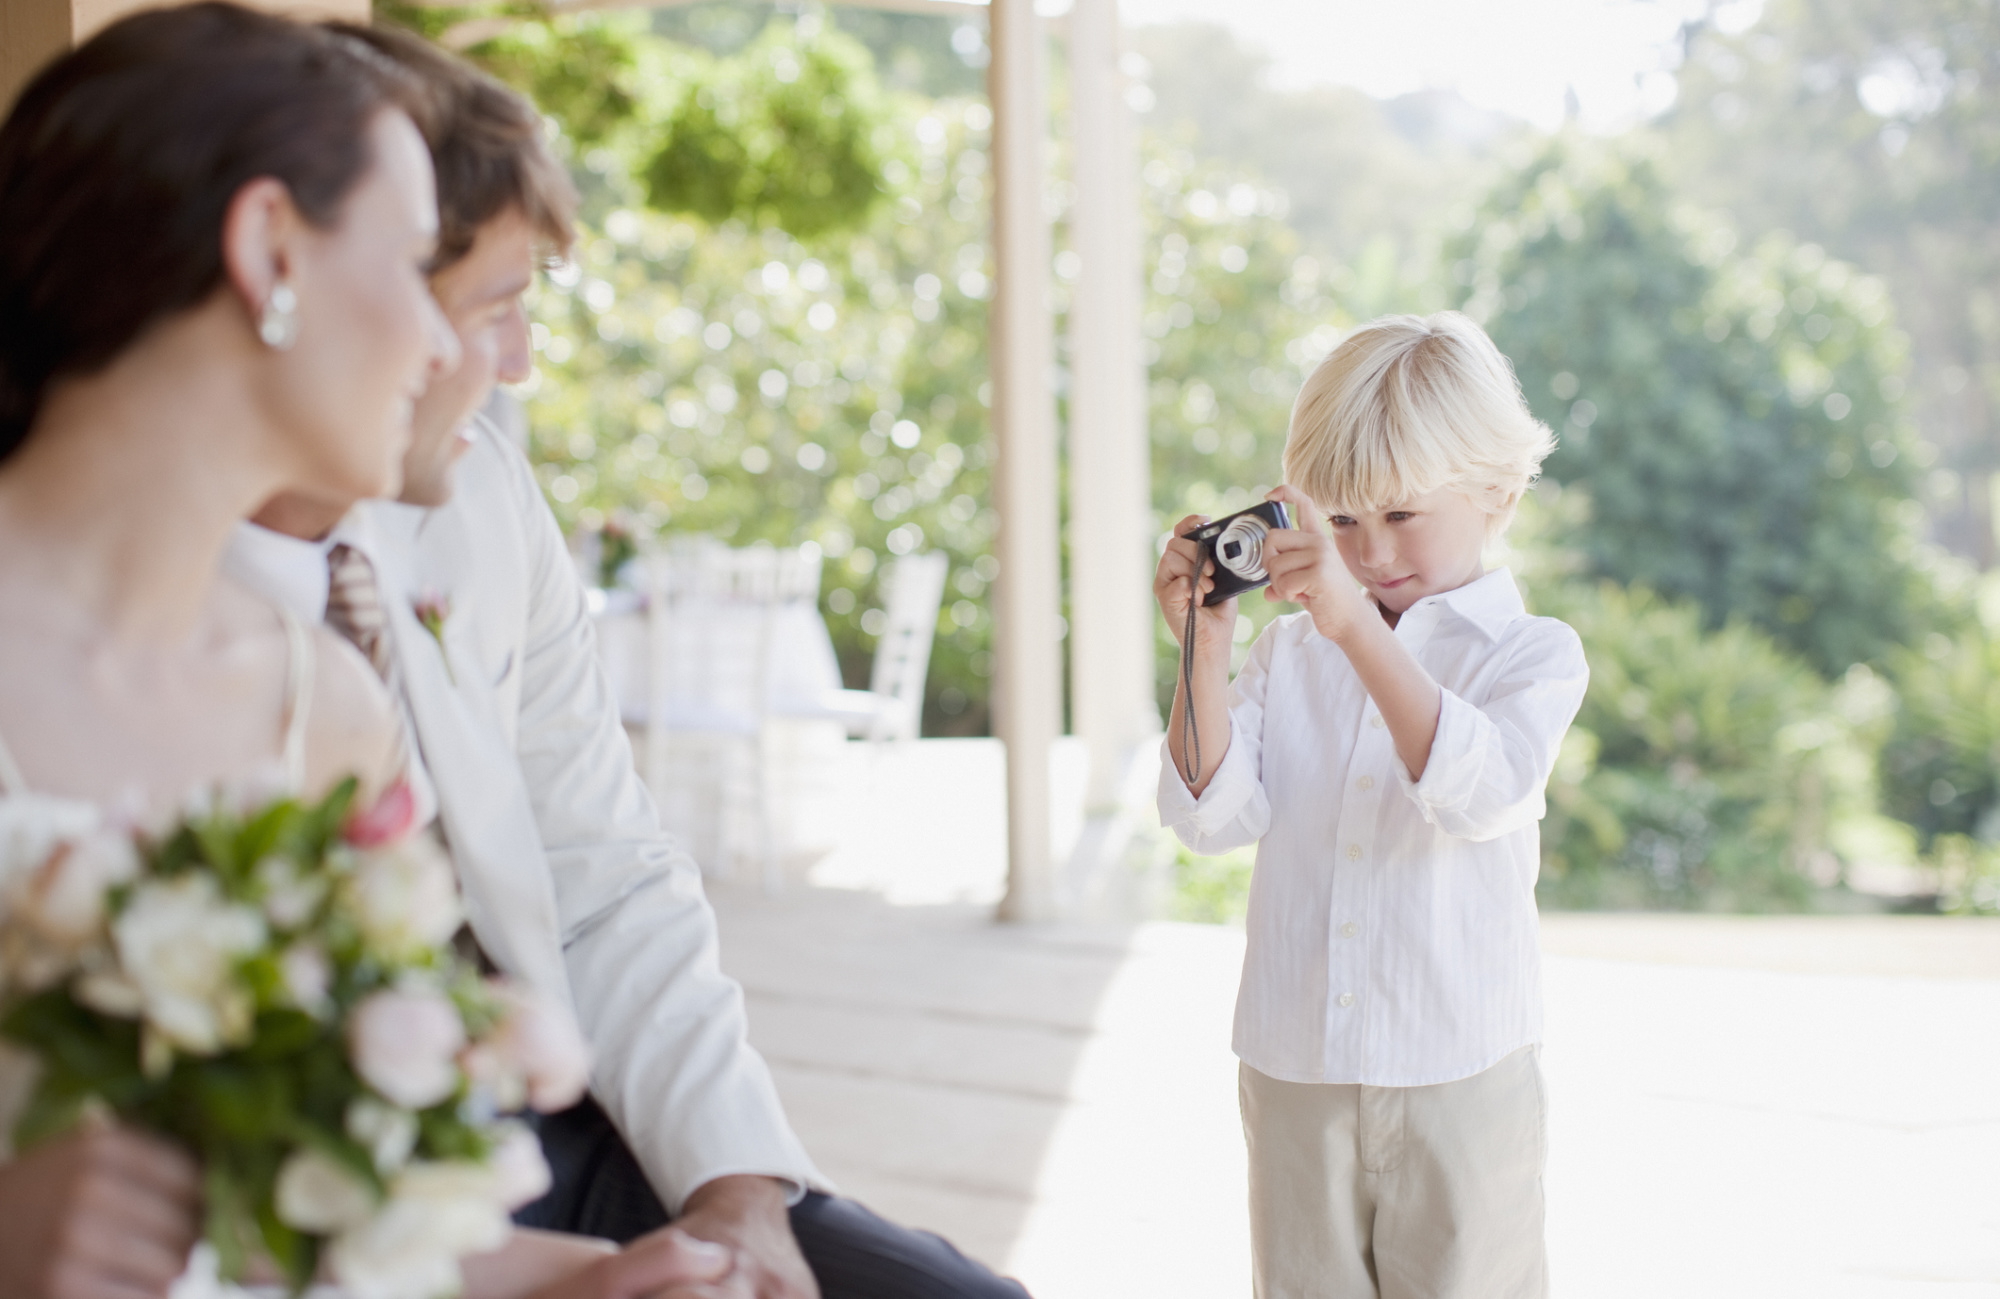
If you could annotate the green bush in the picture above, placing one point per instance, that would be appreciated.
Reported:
(1941, 765)
(1707, 769)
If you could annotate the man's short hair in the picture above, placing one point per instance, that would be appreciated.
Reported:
(1406, 405)
(488, 146)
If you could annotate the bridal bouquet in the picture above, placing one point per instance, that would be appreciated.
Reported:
(272, 985)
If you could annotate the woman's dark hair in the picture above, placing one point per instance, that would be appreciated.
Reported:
(119, 161)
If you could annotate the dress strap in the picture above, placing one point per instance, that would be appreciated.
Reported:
(298, 697)
(11, 779)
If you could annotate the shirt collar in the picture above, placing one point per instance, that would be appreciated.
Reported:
(288, 571)
(1489, 603)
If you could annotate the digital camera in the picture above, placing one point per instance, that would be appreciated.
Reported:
(1236, 545)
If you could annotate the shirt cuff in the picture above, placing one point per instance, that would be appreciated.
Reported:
(1455, 761)
(1229, 790)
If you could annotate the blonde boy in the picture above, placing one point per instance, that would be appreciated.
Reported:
(1387, 749)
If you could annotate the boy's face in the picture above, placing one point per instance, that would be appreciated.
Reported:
(1422, 546)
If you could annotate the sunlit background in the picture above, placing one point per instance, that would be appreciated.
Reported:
(1740, 255)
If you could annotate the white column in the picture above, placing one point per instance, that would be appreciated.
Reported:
(1027, 696)
(1111, 609)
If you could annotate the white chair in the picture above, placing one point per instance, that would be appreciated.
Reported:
(710, 621)
(892, 707)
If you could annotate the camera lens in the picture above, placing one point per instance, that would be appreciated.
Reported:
(1240, 548)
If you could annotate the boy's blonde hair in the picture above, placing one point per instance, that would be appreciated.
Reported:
(1410, 404)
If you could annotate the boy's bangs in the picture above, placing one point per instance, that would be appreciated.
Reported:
(1377, 457)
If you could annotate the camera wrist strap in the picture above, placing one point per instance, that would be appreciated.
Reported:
(1190, 732)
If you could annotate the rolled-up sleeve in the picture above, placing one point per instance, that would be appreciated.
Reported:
(1233, 810)
(1490, 762)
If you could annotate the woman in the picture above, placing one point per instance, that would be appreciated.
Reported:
(214, 232)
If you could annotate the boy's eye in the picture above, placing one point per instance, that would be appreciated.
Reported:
(1340, 520)
(1398, 516)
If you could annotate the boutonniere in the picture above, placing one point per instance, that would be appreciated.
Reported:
(434, 611)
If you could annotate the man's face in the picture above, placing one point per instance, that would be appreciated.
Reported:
(481, 297)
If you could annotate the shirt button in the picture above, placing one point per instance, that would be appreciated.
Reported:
(1354, 852)
(1367, 783)
(1377, 722)
(1346, 999)
(1349, 930)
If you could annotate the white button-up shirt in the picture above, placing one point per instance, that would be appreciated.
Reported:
(1392, 927)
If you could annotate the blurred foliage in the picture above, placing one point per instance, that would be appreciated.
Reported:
(1941, 766)
(1733, 413)
(791, 132)
(1211, 890)
(1235, 318)
(1873, 127)
(744, 384)
(1370, 186)
(731, 354)
(1707, 769)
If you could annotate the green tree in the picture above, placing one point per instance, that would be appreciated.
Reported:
(1873, 128)
(1731, 413)
(1707, 769)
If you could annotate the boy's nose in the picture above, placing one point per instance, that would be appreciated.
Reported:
(1377, 552)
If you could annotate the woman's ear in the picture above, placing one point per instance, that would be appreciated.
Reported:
(259, 243)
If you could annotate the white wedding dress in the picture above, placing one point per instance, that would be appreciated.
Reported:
(32, 823)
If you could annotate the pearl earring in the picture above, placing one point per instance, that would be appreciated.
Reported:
(278, 323)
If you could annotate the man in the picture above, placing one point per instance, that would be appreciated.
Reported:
(568, 881)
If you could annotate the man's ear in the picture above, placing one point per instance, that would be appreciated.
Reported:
(259, 242)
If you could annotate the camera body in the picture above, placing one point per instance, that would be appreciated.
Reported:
(1236, 547)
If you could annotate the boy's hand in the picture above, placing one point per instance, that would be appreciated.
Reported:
(1214, 624)
(1307, 570)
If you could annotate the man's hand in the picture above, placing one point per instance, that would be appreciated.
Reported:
(103, 1213)
(1307, 570)
(667, 1264)
(748, 1215)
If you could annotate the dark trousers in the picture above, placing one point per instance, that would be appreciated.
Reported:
(599, 1190)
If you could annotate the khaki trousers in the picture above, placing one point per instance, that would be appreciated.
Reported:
(1398, 1192)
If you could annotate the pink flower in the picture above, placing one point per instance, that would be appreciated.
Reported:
(535, 1056)
(405, 1043)
(391, 817)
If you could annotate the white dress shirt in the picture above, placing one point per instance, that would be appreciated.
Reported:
(1392, 927)
(292, 574)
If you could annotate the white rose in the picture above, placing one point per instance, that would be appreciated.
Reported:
(32, 826)
(436, 1214)
(389, 1133)
(68, 894)
(405, 1042)
(520, 1170)
(290, 896)
(57, 863)
(308, 976)
(319, 1194)
(179, 941)
(404, 898)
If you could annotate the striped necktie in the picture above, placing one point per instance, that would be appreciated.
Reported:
(354, 607)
